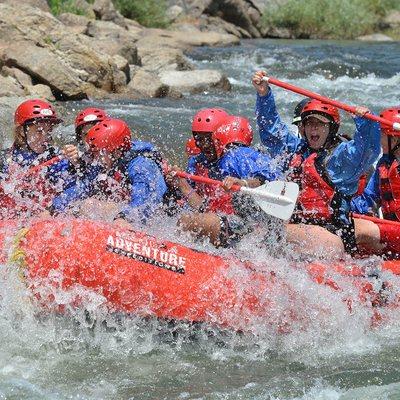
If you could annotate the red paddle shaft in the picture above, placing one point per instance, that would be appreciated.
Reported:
(338, 104)
(203, 179)
(37, 168)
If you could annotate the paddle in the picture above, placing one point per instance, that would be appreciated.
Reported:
(338, 104)
(276, 198)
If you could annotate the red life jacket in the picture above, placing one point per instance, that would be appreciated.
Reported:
(25, 195)
(389, 185)
(218, 200)
(316, 194)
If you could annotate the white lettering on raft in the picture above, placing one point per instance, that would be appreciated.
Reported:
(168, 259)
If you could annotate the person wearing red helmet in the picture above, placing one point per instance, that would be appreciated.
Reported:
(123, 171)
(229, 158)
(33, 144)
(383, 188)
(327, 169)
(86, 119)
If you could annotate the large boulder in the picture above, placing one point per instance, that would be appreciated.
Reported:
(113, 39)
(38, 44)
(40, 91)
(195, 81)
(105, 11)
(146, 84)
(10, 87)
(76, 23)
(21, 77)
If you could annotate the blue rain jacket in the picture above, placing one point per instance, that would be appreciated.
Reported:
(143, 175)
(240, 162)
(348, 161)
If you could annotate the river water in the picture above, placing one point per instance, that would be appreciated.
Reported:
(336, 357)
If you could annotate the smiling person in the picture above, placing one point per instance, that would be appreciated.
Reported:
(326, 169)
(24, 195)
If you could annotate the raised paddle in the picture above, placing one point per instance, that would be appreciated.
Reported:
(277, 198)
(338, 104)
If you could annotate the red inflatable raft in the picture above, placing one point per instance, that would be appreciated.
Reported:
(139, 274)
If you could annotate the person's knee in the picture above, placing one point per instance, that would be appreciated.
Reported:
(201, 224)
(367, 234)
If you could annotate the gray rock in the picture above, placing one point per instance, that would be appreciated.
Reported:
(147, 84)
(105, 10)
(41, 4)
(195, 81)
(41, 46)
(162, 59)
(40, 91)
(123, 65)
(76, 23)
(10, 87)
(174, 12)
(113, 39)
(376, 37)
(392, 19)
(22, 78)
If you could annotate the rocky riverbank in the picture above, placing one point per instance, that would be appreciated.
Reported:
(73, 57)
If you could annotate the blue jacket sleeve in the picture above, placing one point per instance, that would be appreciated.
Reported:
(79, 189)
(246, 162)
(274, 133)
(352, 159)
(370, 199)
(148, 188)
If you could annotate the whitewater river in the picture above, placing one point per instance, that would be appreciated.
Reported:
(336, 356)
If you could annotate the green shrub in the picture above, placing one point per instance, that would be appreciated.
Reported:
(61, 6)
(344, 19)
(149, 13)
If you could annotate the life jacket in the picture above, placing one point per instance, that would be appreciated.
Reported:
(318, 202)
(23, 195)
(389, 185)
(217, 199)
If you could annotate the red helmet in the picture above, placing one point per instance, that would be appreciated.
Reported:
(233, 130)
(191, 148)
(110, 134)
(35, 109)
(393, 115)
(208, 120)
(319, 109)
(90, 115)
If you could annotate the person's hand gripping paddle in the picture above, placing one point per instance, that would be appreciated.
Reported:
(277, 198)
